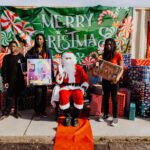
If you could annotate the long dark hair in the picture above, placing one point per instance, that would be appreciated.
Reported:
(36, 45)
(108, 55)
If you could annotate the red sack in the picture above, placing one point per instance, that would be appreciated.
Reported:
(128, 97)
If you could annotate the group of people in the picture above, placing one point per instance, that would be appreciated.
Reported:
(71, 81)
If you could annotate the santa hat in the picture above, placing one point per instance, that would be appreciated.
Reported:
(71, 55)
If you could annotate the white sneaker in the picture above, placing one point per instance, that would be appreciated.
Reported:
(100, 119)
(114, 122)
(103, 118)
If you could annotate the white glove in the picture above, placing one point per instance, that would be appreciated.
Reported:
(82, 89)
(53, 104)
(59, 78)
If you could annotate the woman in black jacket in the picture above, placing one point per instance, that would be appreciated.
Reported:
(40, 51)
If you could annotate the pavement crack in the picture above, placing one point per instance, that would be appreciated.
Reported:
(28, 126)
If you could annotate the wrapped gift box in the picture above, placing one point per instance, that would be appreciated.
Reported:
(143, 108)
(109, 71)
(137, 90)
(140, 62)
(124, 79)
(127, 92)
(121, 104)
(140, 94)
(147, 91)
(127, 59)
(97, 89)
(147, 108)
(139, 73)
(96, 105)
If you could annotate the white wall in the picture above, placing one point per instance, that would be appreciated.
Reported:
(139, 38)
(76, 3)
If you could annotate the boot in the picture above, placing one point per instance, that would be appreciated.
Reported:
(68, 117)
(75, 122)
(57, 111)
(16, 113)
(75, 117)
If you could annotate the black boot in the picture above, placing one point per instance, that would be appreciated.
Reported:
(75, 117)
(68, 117)
(75, 122)
(57, 111)
(16, 113)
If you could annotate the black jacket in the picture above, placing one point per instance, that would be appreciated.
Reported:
(12, 72)
(46, 54)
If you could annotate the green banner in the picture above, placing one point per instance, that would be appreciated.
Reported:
(80, 30)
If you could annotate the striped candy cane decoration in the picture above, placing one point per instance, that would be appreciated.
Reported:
(9, 20)
(1, 58)
(105, 12)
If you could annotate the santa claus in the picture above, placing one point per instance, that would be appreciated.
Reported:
(73, 82)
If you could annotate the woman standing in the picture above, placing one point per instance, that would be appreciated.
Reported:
(40, 51)
(111, 87)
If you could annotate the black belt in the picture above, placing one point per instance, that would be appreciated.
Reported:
(72, 84)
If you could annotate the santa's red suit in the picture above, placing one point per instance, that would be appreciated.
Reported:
(72, 84)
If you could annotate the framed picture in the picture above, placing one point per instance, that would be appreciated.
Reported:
(39, 72)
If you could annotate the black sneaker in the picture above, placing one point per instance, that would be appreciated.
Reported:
(68, 121)
(17, 115)
(44, 114)
(105, 117)
(75, 122)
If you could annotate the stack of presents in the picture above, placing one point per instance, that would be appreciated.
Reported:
(134, 92)
(133, 95)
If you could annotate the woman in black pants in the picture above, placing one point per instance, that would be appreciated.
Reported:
(111, 87)
(40, 51)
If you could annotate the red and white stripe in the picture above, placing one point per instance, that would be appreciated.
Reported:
(1, 58)
(105, 12)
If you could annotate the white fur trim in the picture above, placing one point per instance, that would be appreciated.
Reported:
(63, 107)
(55, 93)
(73, 88)
(69, 87)
(85, 84)
(82, 89)
(78, 106)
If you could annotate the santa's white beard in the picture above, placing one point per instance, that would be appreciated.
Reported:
(69, 68)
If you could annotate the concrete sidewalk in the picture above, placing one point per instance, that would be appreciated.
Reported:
(28, 125)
